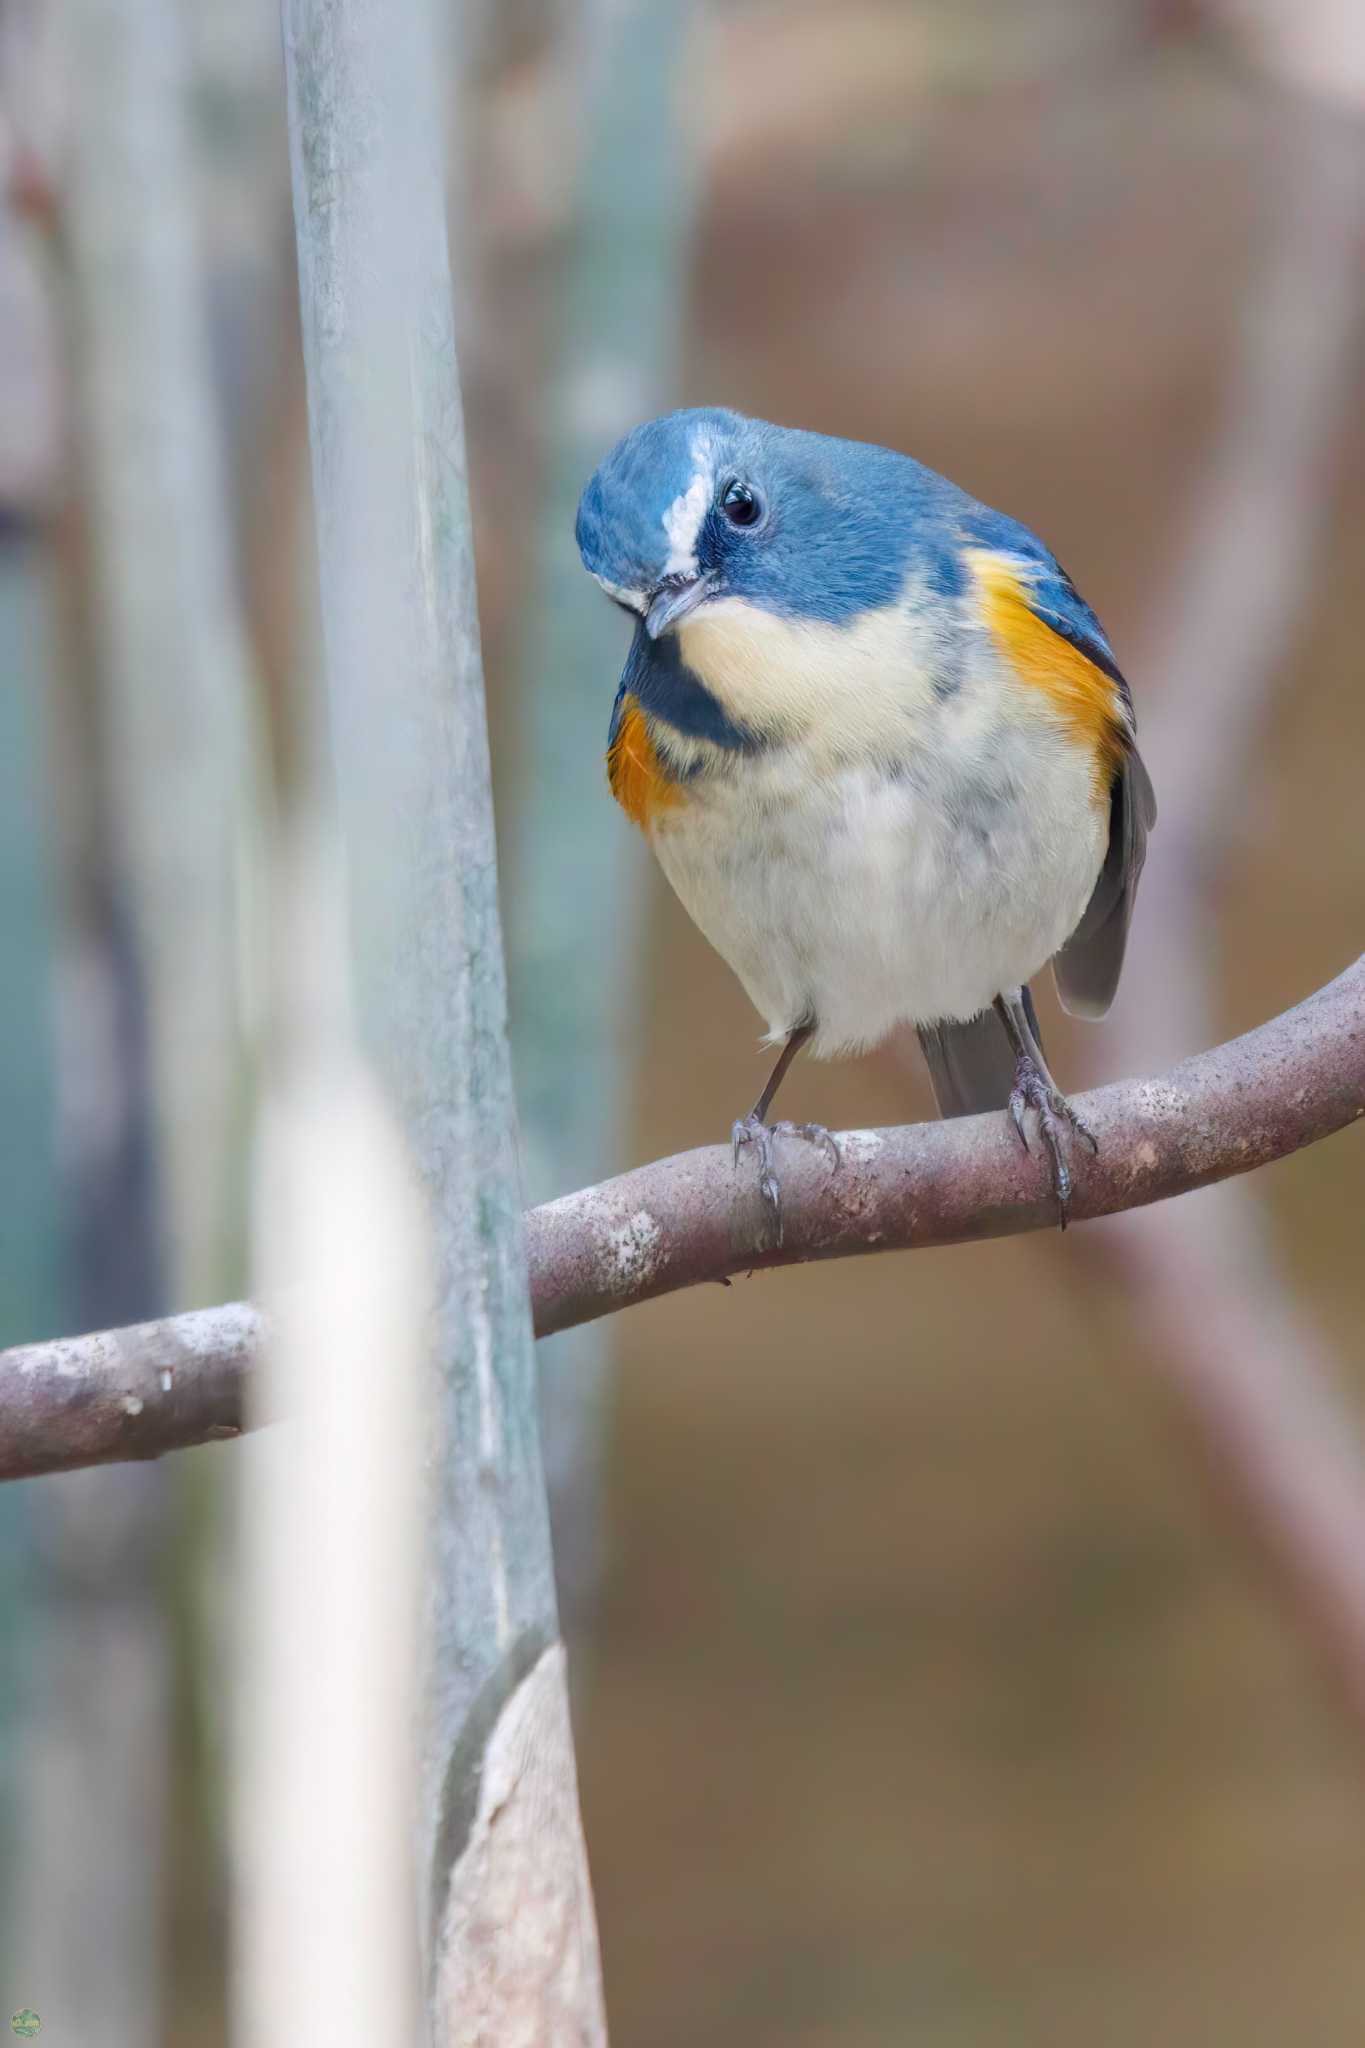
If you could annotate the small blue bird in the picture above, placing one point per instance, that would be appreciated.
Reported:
(880, 747)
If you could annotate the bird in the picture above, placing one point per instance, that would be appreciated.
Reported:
(882, 750)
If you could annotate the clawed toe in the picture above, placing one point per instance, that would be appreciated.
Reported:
(751, 1130)
(1083, 1130)
(815, 1134)
(1034, 1091)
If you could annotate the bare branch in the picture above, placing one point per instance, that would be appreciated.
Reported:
(694, 1217)
(129, 1393)
(157, 1387)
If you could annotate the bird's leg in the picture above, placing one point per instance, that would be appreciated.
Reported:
(754, 1129)
(1035, 1089)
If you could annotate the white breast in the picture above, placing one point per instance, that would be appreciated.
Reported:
(862, 893)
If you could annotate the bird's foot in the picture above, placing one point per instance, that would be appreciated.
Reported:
(1035, 1090)
(751, 1130)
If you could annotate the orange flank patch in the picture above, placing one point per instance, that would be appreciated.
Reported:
(637, 778)
(1083, 697)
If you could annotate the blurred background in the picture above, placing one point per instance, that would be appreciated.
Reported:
(944, 1670)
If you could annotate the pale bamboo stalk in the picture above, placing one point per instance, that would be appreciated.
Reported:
(30, 1278)
(511, 1943)
(83, 1920)
(89, 1917)
(579, 880)
(175, 674)
(87, 1921)
(326, 1910)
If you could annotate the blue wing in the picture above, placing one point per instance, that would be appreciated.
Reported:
(1088, 966)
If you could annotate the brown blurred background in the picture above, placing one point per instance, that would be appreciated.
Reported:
(931, 1688)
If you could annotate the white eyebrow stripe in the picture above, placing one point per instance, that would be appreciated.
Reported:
(636, 599)
(682, 524)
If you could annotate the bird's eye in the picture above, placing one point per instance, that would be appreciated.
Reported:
(739, 504)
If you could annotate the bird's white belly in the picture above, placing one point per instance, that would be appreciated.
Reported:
(860, 899)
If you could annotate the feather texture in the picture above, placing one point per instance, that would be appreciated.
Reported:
(1059, 665)
(1055, 641)
(634, 770)
(1087, 969)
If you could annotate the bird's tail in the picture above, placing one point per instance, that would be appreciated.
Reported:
(971, 1065)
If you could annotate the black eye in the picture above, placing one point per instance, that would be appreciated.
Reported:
(739, 504)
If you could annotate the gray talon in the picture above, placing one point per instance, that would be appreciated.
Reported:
(751, 1130)
(815, 1134)
(1034, 1091)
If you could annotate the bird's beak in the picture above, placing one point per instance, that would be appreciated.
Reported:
(675, 597)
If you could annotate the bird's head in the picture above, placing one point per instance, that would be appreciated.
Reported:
(706, 505)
